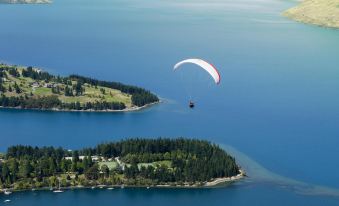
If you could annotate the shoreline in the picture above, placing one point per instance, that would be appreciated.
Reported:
(322, 13)
(211, 184)
(131, 109)
(223, 180)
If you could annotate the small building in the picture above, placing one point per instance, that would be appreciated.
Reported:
(94, 158)
(35, 84)
(48, 85)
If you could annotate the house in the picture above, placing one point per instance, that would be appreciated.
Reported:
(94, 158)
(48, 85)
(35, 84)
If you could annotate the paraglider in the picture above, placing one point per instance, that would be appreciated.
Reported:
(208, 67)
(191, 104)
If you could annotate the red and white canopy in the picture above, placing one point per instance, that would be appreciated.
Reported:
(202, 64)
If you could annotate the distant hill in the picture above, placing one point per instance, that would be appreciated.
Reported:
(25, 1)
(318, 12)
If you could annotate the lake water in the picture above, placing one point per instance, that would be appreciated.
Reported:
(276, 108)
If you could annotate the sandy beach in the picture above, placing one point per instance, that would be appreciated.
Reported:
(218, 181)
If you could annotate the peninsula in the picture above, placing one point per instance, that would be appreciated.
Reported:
(160, 162)
(32, 88)
(318, 12)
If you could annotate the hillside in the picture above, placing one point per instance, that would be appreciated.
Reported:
(35, 89)
(318, 12)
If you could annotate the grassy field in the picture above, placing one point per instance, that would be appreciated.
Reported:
(110, 165)
(155, 164)
(91, 93)
(318, 12)
(114, 164)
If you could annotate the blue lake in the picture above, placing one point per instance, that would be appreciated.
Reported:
(276, 108)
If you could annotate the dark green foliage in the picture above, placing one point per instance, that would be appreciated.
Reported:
(92, 173)
(2, 73)
(195, 160)
(14, 72)
(37, 75)
(192, 161)
(141, 99)
(68, 92)
(17, 88)
(79, 90)
(52, 102)
(45, 102)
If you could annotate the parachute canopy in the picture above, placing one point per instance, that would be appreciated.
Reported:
(202, 64)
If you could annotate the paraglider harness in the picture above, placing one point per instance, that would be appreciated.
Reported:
(191, 104)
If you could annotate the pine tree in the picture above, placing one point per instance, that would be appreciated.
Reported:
(17, 88)
(68, 91)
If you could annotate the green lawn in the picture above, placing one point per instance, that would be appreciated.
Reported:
(110, 165)
(42, 91)
(155, 164)
(91, 94)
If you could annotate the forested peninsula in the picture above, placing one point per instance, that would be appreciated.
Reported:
(32, 88)
(159, 162)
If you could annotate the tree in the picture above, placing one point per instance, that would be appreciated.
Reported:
(56, 90)
(5, 173)
(87, 163)
(25, 169)
(13, 166)
(132, 171)
(105, 170)
(52, 166)
(68, 91)
(181, 160)
(14, 72)
(79, 90)
(77, 106)
(92, 173)
(2, 88)
(17, 88)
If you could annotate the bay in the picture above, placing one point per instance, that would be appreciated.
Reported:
(277, 102)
